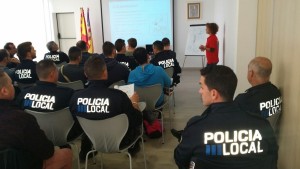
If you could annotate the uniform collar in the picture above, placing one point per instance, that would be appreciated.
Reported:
(98, 83)
(219, 107)
(258, 86)
(43, 83)
(26, 60)
(6, 103)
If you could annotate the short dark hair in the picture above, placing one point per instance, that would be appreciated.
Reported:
(74, 53)
(82, 45)
(94, 67)
(8, 45)
(50, 45)
(132, 42)
(213, 27)
(119, 44)
(23, 49)
(166, 41)
(44, 68)
(158, 45)
(222, 79)
(140, 55)
(3, 54)
(108, 48)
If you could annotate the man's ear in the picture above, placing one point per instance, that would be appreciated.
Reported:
(4, 91)
(251, 73)
(214, 94)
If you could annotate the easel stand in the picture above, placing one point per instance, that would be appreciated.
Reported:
(203, 59)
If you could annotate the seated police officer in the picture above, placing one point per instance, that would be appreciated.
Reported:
(4, 60)
(116, 71)
(56, 56)
(165, 60)
(25, 72)
(225, 136)
(263, 98)
(72, 71)
(21, 131)
(121, 57)
(46, 96)
(84, 49)
(98, 102)
(12, 50)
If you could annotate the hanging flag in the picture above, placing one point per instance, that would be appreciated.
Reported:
(89, 33)
(83, 30)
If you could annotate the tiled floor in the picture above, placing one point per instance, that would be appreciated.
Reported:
(160, 156)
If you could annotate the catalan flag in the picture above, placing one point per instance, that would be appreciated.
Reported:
(89, 33)
(83, 30)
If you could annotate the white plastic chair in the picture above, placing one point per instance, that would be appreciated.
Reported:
(76, 85)
(106, 136)
(150, 95)
(171, 90)
(56, 126)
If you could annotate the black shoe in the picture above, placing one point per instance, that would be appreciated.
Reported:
(134, 149)
(177, 134)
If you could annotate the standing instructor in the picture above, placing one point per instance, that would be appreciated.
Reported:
(212, 44)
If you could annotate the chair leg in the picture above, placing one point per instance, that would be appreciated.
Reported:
(130, 164)
(170, 115)
(101, 160)
(86, 157)
(144, 152)
(77, 153)
(174, 100)
(162, 127)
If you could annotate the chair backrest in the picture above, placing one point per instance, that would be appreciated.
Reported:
(56, 125)
(274, 119)
(170, 71)
(76, 85)
(150, 95)
(106, 135)
(119, 83)
(11, 158)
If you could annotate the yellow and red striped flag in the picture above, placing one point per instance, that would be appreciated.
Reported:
(89, 33)
(84, 36)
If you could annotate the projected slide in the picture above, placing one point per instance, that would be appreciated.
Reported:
(145, 20)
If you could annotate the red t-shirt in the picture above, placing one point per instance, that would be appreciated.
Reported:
(212, 42)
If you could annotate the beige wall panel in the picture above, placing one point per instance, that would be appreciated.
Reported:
(285, 55)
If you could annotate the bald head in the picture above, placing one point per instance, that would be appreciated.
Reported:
(261, 68)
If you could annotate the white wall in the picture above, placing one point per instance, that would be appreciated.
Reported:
(20, 24)
(182, 25)
(239, 17)
(61, 6)
(246, 38)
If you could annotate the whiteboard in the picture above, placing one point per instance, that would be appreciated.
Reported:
(196, 36)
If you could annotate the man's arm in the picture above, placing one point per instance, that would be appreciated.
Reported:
(183, 152)
(131, 109)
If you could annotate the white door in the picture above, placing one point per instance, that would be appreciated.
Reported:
(66, 31)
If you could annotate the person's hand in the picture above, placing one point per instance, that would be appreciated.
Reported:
(202, 48)
(14, 60)
(134, 100)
